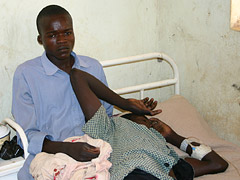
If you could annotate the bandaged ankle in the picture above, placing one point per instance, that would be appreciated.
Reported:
(187, 142)
(184, 145)
(198, 152)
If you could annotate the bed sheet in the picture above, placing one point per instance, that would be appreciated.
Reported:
(187, 121)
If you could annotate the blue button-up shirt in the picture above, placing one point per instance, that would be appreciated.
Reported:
(44, 103)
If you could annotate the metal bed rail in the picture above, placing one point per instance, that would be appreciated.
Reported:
(146, 57)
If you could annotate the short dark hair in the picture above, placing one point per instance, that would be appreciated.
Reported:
(49, 11)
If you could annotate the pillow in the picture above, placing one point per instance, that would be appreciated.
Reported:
(183, 118)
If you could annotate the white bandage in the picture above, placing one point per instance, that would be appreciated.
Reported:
(198, 152)
(184, 145)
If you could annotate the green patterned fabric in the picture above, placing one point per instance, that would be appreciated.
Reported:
(134, 146)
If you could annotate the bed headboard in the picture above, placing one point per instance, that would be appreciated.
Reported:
(146, 57)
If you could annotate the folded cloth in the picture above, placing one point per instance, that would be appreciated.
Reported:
(62, 167)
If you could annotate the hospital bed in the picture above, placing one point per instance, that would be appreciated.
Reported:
(177, 112)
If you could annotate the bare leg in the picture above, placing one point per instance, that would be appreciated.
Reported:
(211, 162)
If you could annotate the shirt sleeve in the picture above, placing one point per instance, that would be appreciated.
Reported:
(23, 111)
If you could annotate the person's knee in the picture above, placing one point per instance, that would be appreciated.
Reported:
(218, 164)
(221, 166)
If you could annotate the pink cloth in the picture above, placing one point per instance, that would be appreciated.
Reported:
(62, 167)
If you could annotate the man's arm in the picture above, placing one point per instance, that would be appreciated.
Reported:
(79, 151)
(23, 110)
(24, 113)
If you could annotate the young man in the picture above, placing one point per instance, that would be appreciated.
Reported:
(140, 152)
(44, 103)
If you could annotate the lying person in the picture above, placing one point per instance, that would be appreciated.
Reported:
(139, 144)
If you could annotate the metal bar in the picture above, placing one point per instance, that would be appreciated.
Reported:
(141, 93)
(145, 86)
(21, 133)
(145, 57)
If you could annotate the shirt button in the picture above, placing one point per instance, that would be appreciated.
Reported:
(166, 164)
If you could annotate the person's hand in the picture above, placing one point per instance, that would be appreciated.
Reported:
(150, 104)
(82, 151)
(143, 107)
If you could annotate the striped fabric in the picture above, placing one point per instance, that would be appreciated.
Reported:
(134, 146)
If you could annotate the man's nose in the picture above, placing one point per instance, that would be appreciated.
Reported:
(61, 38)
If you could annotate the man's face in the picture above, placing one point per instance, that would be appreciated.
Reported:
(56, 36)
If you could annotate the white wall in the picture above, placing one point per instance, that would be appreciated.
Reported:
(103, 29)
(195, 33)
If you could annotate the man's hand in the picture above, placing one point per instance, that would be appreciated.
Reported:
(143, 107)
(80, 151)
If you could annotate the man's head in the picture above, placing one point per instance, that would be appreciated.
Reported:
(55, 28)
(48, 11)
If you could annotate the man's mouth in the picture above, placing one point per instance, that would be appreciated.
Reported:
(63, 49)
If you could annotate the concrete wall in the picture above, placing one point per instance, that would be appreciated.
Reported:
(195, 33)
(103, 29)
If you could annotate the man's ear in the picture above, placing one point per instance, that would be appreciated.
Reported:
(39, 39)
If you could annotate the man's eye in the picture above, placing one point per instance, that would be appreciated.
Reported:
(68, 33)
(52, 35)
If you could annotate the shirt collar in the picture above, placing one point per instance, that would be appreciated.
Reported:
(51, 68)
(79, 62)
